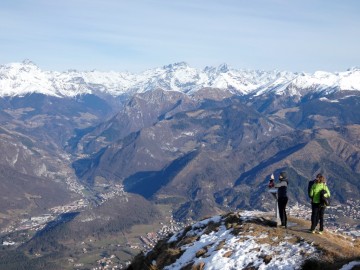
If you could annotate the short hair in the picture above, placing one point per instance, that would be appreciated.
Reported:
(322, 179)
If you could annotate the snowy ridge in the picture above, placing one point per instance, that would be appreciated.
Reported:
(18, 79)
(225, 249)
(243, 240)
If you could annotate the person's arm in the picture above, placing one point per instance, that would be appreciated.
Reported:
(281, 184)
(312, 191)
(327, 195)
(311, 183)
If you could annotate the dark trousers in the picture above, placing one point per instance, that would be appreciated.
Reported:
(317, 215)
(282, 202)
(312, 213)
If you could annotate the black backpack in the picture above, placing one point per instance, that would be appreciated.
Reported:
(311, 183)
(324, 201)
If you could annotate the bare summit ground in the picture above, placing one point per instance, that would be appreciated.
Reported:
(333, 250)
(337, 249)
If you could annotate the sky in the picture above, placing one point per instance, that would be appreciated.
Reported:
(136, 35)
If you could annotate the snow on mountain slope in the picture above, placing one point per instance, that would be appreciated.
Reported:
(18, 79)
(350, 80)
(241, 252)
(248, 240)
(22, 78)
(322, 81)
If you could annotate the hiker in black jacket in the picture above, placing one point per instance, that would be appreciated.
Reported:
(282, 197)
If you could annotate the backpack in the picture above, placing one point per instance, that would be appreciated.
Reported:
(311, 183)
(324, 201)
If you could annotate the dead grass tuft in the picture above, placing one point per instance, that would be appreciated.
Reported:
(199, 266)
(212, 227)
(200, 252)
(188, 240)
(267, 259)
(220, 245)
(232, 218)
(227, 254)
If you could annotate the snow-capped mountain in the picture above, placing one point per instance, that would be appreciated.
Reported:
(18, 79)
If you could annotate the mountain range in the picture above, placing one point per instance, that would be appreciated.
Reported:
(197, 142)
(19, 79)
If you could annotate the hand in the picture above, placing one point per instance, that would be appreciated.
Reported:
(271, 183)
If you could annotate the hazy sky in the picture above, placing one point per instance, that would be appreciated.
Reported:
(135, 35)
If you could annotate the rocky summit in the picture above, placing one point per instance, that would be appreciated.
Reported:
(249, 240)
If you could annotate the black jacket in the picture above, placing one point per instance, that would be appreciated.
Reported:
(282, 188)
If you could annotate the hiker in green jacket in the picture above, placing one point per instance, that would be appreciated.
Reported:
(318, 208)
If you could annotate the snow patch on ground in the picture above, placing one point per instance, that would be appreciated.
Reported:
(350, 265)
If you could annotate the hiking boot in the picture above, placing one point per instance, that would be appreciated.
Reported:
(313, 231)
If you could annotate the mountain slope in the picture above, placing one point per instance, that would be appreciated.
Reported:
(247, 241)
(209, 130)
(77, 238)
(220, 154)
(140, 111)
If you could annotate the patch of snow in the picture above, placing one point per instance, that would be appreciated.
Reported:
(249, 215)
(328, 100)
(350, 265)
(8, 243)
(189, 133)
(196, 228)
(348, 96)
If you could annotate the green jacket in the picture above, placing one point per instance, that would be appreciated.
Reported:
(315, 192)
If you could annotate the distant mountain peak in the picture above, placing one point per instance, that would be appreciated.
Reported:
(355, 68)
(223, 68)
(28, 62)
(176, 65)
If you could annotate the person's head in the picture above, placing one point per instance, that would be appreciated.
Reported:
(320, 178)
(282, 176)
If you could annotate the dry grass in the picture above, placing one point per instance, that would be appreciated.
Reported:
(168, 256)
(338, 245)
(336, 249)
